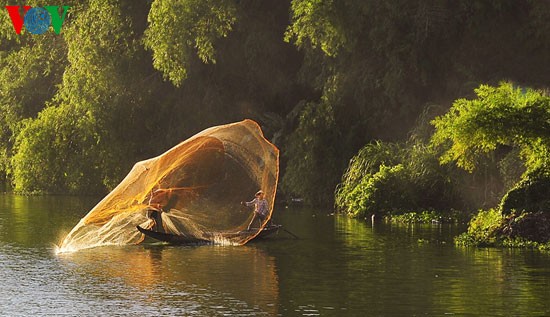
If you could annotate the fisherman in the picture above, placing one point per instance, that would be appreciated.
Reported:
(160, 201)
(261, 208)
(156, 216)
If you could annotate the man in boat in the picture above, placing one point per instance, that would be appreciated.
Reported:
(161, 200)
(261, 209)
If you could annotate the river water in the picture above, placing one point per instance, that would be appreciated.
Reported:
(338, 267)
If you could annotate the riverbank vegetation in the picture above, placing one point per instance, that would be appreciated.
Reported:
(341, 87)
(503, 124)
(511, 118)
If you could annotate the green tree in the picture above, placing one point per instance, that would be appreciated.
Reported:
(110, 108)
(312, 168)
(77, 143)
(396, 178)
(179, 30)
(379, 63)
(30, 68)
(499, 116)
(512, 117)
(350, 72)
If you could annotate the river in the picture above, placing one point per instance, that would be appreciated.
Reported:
(338, 267)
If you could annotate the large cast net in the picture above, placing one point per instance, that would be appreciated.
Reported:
(195, 188)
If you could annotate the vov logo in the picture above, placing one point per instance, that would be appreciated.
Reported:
(37, 20)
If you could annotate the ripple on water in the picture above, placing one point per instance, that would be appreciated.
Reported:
(41, 283)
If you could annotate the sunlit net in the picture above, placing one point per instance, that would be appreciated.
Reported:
(198, 185)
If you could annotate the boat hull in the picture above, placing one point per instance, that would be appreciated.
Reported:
(181, 239)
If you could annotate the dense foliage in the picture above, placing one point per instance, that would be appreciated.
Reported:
(499, 116)
(125, 80)
(517, 230)
(398, 180)
(515, 118)
(530, 194)
(178, 30)
(392, 179)
(379, 63)
(503, 116)
(86, 104)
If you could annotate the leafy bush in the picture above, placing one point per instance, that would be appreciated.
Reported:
(518, 230)
(525, 244)
(482, 229)
(531, 194)
(362, 167)
(379, 192)
(503, 115)
(390, 178)
(429, 216)
(56, 154)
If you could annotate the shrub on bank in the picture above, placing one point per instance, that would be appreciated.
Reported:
(518, 230)
(532, 194)
(394, 179)
(429, 216)
(482, 229)
(503, 127)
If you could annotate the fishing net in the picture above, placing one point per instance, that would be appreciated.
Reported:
(194, 188)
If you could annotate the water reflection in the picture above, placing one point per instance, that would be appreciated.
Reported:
(214, 279)
(503, 276)
(338, 267)
(430, 274)
(31, 220)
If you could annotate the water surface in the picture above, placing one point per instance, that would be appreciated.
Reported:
(338, 267)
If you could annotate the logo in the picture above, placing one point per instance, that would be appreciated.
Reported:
(37, 20)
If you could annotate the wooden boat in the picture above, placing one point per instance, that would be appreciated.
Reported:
(171, 238)
(267, 231)
(182, 239)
